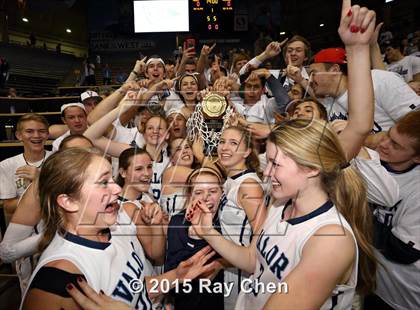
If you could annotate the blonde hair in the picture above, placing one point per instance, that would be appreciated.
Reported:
(31, 117)
(313, 144)
(193, 175)
(252, 161)
(54, 181)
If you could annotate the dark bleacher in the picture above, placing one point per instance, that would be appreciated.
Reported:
(36, 72)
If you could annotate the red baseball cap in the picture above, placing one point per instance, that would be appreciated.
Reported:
(334, 55)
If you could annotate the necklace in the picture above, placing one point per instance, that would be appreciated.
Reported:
(43, 159)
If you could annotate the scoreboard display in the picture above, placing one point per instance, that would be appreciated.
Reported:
(214, 16)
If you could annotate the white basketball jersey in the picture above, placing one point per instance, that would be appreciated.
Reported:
(173, 203)
(279, 250)
(109, 266)
(158, 169)
(235, 227)
(125, 226)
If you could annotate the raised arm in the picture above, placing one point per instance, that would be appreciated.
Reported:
(96, 131)
(240, 256)
(272, 50)
(110, 102)
(203, 59)
(356, 29)
(375, 51)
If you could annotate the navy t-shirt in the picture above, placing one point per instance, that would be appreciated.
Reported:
(180, 247)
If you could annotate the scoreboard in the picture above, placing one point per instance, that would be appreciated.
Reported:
(214, 16)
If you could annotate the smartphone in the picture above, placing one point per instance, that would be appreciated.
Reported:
(188, 43)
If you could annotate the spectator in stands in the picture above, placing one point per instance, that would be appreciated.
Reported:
(4, 72)
(89, 69)
(90, 99)
(75, 117)
(190, 66)
(121, 78)
(32, 39)
(12, 93)
(239, 60)
(107, 75)
(19, 171)
(170, 69)
(58, 48)
(393, 97)
(406, 66)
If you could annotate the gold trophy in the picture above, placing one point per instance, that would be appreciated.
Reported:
(214, 106)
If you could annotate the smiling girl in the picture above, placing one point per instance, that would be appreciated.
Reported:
(79, 207)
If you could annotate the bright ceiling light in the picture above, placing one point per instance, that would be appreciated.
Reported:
(282, 33)
(25, 19)
(68, 30)
(321, 25)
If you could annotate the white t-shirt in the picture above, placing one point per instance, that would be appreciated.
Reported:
(11, 185)
(406, 67)
(260, 112)
(57, 142)
(382, 188)
(393, 99)
(398, 284)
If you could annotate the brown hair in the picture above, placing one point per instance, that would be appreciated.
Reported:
(54, 181)
(298, 38)
(153, 116)
(313, 144)
(31, 117)
(239, 57)
(124, 161)
(63, 144)
(252, 160)
(322, 110)
(409, 125)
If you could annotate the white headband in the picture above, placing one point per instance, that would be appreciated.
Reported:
(155, 59)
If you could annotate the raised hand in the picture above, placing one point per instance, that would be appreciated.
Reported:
(165, 84)
(375, 36)
(357, 24)
(274, 48)
(188, 53)
(130, 85)
(195, 265)
(262, 73)
(140, 65)
(151, 213)
(206, 50)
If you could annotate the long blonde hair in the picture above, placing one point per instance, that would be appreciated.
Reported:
(313, 144)
(62, 173)
(252, 161)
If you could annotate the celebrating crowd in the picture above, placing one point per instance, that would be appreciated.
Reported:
(203, 175)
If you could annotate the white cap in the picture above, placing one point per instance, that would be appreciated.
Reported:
(175, 111)
(74, 104)
(88, 94)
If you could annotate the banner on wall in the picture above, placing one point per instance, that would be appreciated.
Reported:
(111, 43)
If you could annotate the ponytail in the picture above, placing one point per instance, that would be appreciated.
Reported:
(349, 195)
